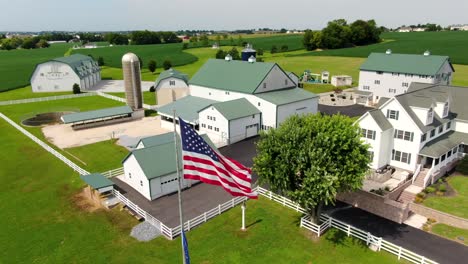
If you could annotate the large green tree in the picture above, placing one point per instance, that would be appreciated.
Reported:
(312, 158)
(152, 66)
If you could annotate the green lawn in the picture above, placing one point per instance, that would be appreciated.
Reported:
(16, 66)
(26, 92)
(91, 158)
(148, 97)
(42, 224)
(456, 205)
(450, 43)
(451, 232)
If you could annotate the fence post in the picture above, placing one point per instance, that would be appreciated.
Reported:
(399, 253)
(368, 238)
(297, 207)
(380, 244)
(423, 260)
(318, 231)
(188, 225)
(284, 201)
(219, 209)
(349, 230)
(233, 203)
(204, 216)
(302, 219)
(270, 195)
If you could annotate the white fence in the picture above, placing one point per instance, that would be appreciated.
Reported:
(376, 242)
(45, 99)
(113, 173)
(45, 146)
(120, 99)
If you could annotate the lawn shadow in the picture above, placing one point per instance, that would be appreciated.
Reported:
(254, 223)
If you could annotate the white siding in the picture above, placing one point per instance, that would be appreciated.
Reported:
(380, 159)
(54, 77)
(165, 84)
(460, 126)
(238, 127)
(421, 113)
(134, 175)
(275, 80)
(217, 137)
(308, 106)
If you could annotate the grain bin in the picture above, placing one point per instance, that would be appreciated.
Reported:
(248, 52)
(132, 80)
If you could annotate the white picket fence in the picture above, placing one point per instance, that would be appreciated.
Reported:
(120, 99)
(45, 99)
(326, 222)
(45, 146)
(113, 173)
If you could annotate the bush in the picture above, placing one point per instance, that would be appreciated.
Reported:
(442, 188)
(274, 49)
(386, 187)
(100, 61)
(76, 88)
(421, 195)
(284, 48)
(426, 227)
(260, 52)
(185, 46)
(418, 200)
(462, 166)
(431, 221)
(152, 66)
(429, 189)
(439, 193)
(152, 89)
(167, 64)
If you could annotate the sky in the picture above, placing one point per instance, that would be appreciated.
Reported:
(120, 15)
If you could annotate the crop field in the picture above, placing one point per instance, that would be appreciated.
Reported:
(113, 55)
(16, 66)
(293, 41)
(450, 43)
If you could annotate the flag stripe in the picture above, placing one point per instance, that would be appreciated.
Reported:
(252, 195)
(209, 173)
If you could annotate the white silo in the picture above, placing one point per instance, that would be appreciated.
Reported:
(132, 80)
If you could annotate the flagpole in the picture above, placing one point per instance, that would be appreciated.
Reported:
(179, 189)
(243, 216)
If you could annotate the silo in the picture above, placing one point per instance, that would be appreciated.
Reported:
(132, 80)
(248, 52)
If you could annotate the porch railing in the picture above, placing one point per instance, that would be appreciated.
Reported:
(416, 173)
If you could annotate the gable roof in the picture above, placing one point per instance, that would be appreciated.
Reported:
(96, 180)
(236, 76)
(286, 96)
(380, 119)
(186, 107)
(171, 73)
(96, 114)
(159, 160)
(157, 140)
(81, 64)
(405, 63)
(235, 109)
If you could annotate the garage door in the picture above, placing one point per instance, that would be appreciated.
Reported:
(251, 130)
(169, 185)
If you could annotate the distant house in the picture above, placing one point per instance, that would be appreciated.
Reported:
(59, 75)
(388, 74)
(151, 168)
(405, 29)
(170, 86)
(459, 27)
(419, 29)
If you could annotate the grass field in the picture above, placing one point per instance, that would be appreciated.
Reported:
(450, 43)
(456, 205)
(16, 66)
(26, 92)
(148, 97)
(43, 224)
(451, 232)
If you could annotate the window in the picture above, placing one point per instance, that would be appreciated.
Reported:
(401, 156)
(214, 118)
(141, 183)
(286, 82)
(264, 85)
(42, 74)
(258, 103)
(210, 127)
(367, 133)
(129, 175)
(449, 154)
(227, 93)
(371, 155)
(171, 83)
(448, 125)
(390, 90)
(442, 158)
(430, 115)
(366, 87)
(436, 161)
(432, 133)
(423, 138)
(405, 135)
(454, 150)
(395, 74)
(446, 109)
(56, 87)
(441, 129)
(253, 116)
(392, 114)
(203, 125)
(216, 129)
(377, 82)
(209, 93)
(405, 84)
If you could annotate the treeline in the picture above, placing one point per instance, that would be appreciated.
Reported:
(142, 38)
(339, 34)
(24, 43)
(427, 27)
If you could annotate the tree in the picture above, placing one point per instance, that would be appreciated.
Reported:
(152, 66)
(167, 64)
(284, 48)
(283, 30)
(274, 49)
(312, 158)
(76, 88)
(225, 36)
(28, 44)
(42, 44)
(260, 52)
(234, 53)
(116, 38)
(307, 40)
(221, 54)
(152, 89)
(193, 39)
(100, 61)
(204, 40)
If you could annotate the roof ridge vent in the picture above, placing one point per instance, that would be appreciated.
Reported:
(427, 53)
(388, 52)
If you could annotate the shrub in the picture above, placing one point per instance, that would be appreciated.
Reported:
(421, 195)
(387, 188)
(379, 191)
(167, 64)
(431, 221)
(284, 48)
(426, 227)
(76, 88)
(100, 61)
(442, 188)
(429, 189)
(152, 89)
(462, 166)
(439, 193)
(260, 52)
(418, 199)
(273, 49)
(185, 46)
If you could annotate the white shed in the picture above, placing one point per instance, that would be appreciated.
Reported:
(341, 80)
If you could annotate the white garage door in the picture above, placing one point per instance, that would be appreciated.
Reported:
(169, 185)
(251, 130)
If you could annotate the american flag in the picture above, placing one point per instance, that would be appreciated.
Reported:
(203, 163)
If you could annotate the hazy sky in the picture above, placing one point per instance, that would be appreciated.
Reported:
(102, 15)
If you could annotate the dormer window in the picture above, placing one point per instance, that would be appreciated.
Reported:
(430, 115)
(446, 109)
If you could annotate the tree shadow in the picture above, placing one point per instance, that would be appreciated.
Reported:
(254, 223)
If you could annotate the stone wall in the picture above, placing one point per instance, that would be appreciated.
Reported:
(439, 216)
(376, 204)
(398, 191)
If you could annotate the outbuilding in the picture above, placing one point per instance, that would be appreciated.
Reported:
(60, 74)
(170, 86)
(341, 80)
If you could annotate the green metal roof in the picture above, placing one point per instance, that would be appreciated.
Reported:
(186, 107)
(236, 76)
(235, 109)
(96, 114)
(405, 63)
(443, 144)
(286, 96)
(171, 73)
(159, 160)
(380, 119)
(81, 64)
(157, 140)
(96, 180)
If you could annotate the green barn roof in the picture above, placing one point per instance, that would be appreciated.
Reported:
(157, 140)
(81, 64)
(96, 114)
(236, 76)
(235, 109)
(96, 180)
(405, 63)
(171, 73)
(186, 107)
(286, 96)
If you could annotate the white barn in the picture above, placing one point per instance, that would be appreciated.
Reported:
(151, 168)
(388, 74)
(170, 86)
(264, 86)
(60, 74)
(423, 131)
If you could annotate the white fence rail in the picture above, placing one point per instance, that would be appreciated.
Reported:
(416, 172)
(113, 173)
(377, 242)
(45, 146)
(45, 99)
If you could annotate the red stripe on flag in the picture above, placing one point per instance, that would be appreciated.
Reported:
(218, 183)
(228, 170)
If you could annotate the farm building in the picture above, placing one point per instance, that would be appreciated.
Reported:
(268, 94)
(59, 75)
(293, 77)
(151, 168)
(170, 86)
(424, 131)
(388, 74)
(341, 80)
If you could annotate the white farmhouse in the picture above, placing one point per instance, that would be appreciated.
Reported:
(423, 131)
(388, 75)
(151, 168)
(263, 86)
(170, 86)
(60, 74)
